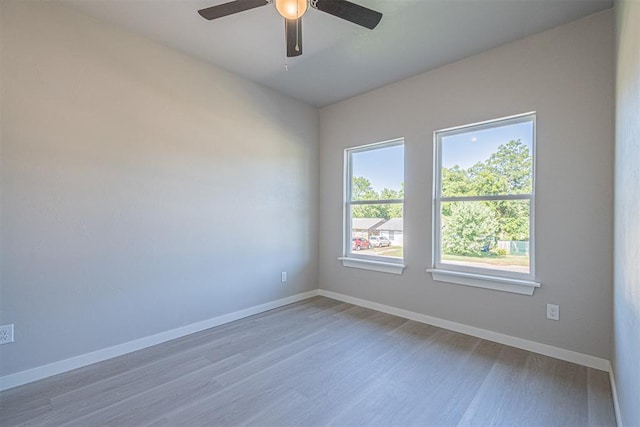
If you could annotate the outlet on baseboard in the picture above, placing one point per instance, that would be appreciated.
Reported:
(6, 334)
(553, 312)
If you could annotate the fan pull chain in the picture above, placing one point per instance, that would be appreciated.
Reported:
(286, 58)
(297, 28)
(298, 35)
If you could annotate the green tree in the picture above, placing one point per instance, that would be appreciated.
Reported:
(507, 171)
(456, 182)
(388, 194)
(367, 211)
(361, 189)
(392, 210)
(469, 228)
(513, 219)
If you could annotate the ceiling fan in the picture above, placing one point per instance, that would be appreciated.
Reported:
(292, 11)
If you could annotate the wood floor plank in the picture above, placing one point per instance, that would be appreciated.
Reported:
(106, 392)
(146, 405)
(495, 398)
(246, 395)
(315, 363)
(529, 389)
(150, 404)
(31, 395)
(600, 404)
(446, 403)
(403, 392)
(345, 386)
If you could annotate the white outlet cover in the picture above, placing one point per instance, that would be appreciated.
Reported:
(6, 334)
(553, 312)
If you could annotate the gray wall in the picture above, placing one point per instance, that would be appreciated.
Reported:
(566, 75)
(626, 291)
(142, 190)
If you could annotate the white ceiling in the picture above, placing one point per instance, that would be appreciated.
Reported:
(339, 59)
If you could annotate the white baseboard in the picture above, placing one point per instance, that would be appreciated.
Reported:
(535, 347)
(40, 372)
(614, 393)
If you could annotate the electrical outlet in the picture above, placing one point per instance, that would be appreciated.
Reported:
(6, 334)
(284, 276)
(553, 312)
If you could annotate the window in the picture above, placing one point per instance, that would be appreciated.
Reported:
(484, 205)
(373, 207)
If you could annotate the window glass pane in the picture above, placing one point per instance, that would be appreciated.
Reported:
(486, 234)
(378, 174)
(377, 230)
(488, 161)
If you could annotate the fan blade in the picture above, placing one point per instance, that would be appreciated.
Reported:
(349, 11)
(230, 8)
(293, 33)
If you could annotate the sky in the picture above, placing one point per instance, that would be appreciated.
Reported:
(384, 167)
(468, 148)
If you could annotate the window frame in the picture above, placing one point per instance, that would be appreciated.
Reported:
(510, 281)
(357, 260)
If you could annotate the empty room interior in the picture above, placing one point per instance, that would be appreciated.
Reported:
(401, 213)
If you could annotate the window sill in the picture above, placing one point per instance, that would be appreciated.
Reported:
(365, 264)
(523, 287)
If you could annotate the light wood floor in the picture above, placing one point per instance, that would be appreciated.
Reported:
(319, 362)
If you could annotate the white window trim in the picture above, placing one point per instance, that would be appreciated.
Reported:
(524, 287)
(349, 259)
(500, 280)
(365, 264)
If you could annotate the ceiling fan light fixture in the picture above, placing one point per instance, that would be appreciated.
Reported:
(291, 9)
